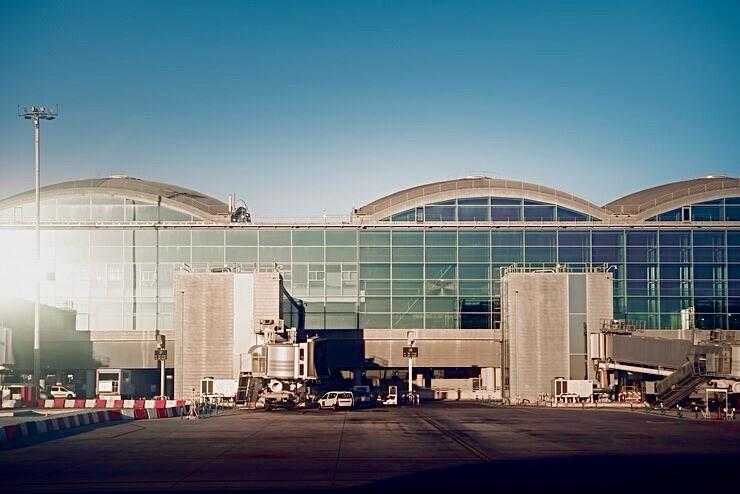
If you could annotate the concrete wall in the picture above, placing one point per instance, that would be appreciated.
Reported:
(452, 384)
(244, 336)
(215, 318)
(536, 331)
(600, 302)
(266, 297)
(130, 349)
(600, 292)
(543, 316)
(204, 326)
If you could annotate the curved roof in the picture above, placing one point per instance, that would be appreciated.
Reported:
(651, 201)
(173, 196)
(473, 187)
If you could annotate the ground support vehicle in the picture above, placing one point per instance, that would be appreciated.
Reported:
(392, 398)
(337, 400)
(58, 391)
(279, 399)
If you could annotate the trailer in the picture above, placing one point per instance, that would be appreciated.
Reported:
(572, 390)
(218, 389)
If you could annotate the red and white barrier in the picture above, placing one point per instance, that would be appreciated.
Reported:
(12, 404)
(114, 404)
(10, 433)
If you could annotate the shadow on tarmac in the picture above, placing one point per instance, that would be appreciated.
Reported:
(597, 474)
(34, 439)
(624, 474)
(696, 474)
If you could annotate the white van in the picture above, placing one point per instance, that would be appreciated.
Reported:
(61, 392)
(337, 400)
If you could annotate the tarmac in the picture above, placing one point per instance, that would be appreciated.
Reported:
(444, 447)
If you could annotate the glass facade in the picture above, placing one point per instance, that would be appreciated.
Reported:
(121, 277)
(477, 209)
(727, 209)
(92, 208)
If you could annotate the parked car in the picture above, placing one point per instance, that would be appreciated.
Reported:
(61, 392)
(337, 400)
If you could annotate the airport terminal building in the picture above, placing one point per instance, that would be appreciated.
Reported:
(428, 258)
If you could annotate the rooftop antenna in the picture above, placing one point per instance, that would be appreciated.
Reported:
(36, 114)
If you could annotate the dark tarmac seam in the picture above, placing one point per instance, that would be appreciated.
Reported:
(339, 451)
(456, 437)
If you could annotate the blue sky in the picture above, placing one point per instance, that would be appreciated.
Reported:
(303, 106)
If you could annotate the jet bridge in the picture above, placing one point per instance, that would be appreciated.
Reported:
(678, 366)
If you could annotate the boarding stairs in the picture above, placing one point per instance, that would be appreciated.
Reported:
(248, 389)
(686, 379)
(677, 386)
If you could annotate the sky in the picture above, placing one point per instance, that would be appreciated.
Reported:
(300, 107)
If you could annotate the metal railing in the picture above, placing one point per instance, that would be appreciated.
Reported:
(415, 193)
(621, 326)
(551, 268)
(727, 183)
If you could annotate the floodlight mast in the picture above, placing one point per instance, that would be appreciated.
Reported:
(36, 114)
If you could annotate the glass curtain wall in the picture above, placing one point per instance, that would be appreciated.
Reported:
(120, 278)
(92, 208)
(727, 209)
(489, 209)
